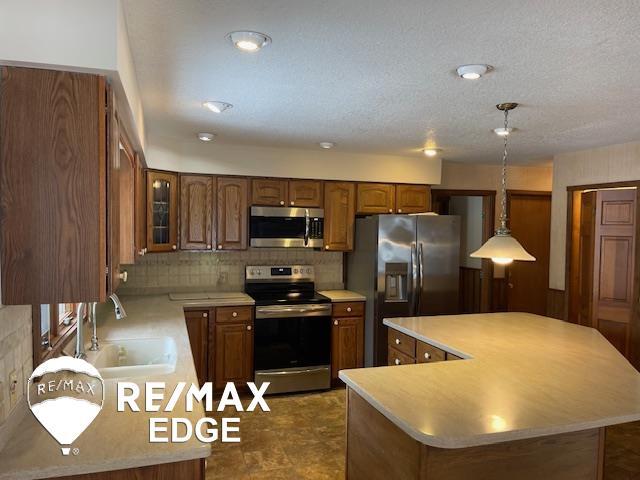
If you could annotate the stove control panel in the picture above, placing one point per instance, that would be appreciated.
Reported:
(280, 273)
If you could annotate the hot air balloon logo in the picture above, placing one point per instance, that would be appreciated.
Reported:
(65, 394)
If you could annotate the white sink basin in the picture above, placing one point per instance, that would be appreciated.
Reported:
(135, 357)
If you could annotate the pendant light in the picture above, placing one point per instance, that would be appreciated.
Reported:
(502, 248)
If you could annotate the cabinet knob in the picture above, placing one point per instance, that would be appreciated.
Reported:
(397, 341)
(219, 247)
(399, 210)
(391, 210)
(326, 247)
(349, 309)
(427, 355)
(234, 314)
(335, 322)
(281, 202)
(397, 361)
(141, 252)
(205, 314)
(292, 202)
(123, 276)
(248, 327)
(208, 246)
(174, 247)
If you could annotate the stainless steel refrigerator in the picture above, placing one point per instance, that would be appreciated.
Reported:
(406, 265)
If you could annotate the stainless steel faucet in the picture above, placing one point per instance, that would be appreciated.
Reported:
(80, 353)
(119, 309)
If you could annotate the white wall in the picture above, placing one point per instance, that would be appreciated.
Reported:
(470, 210)
(76, 35)
(614, 163)
(198, 157)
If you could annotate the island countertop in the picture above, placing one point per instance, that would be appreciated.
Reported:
(116, 440)
(522, 376)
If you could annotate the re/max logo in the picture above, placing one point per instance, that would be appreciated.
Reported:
(178, 429)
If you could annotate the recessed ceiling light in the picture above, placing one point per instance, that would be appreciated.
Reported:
(327, 145)
(206, 137)
(217, 107)
(249, 41)
(431, 152)
(503, 132)
(473, 72)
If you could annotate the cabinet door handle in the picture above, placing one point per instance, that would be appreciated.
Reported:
(335, 322)
(397, 361)
(234, 314)
(326, 247)
(349, 309)
(426, 355)
(248, 327)
(391, 210)
(281, 202)
(219, 247)
(292, 202)
(397, 341)
(205, 314)
(399, 210)
(123, 276)
(208, 246)
(174, 247)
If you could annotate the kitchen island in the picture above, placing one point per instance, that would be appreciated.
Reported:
(529, 398)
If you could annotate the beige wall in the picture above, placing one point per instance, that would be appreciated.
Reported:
(613, 163)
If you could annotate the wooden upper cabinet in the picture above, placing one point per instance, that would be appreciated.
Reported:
(339, 215)
(127, 203)
(376, 198)
(413, 198)
(114, 171)
(305, 193)
(232, 218)
(269, 192)
(53, 196)
(141, 208)
(162, 211)
(196, 212)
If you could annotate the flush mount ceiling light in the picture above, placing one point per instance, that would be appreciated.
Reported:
(206, 137)
(502, 131)
(249, 41)
(473, 72)
(431, 152)
(327, 145)
(217, 107)
(502, 248)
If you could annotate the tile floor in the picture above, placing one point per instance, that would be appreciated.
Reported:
(303, 437)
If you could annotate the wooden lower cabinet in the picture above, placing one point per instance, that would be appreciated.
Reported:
(233, 353)
(188, 469)
(198, 330)
(347, 338)
(404, 349)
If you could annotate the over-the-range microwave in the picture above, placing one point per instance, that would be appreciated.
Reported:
(286, 227)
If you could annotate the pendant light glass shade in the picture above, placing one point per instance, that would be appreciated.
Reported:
(502, 248)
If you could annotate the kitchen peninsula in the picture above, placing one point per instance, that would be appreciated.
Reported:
(529, 398)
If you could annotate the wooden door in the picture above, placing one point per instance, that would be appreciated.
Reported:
(53, 197)
(196, 212)
(162, 211)
(141, 208)
(232, 215)
(198, 330)
(530, 223)
(339, 215)
(347, 344)
(233, 353)
(269, 192)
(305, 193)
(376, 198)
(413, 198)
(614, 258)
(586, 256)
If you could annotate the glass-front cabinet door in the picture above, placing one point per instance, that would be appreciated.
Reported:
(162, 211)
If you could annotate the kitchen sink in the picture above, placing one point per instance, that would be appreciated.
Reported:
(135, 357)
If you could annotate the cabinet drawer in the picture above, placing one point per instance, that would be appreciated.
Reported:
(451, 356)
(396, 357)
(233, 314)
(402, 342)
(348, 309)
(426, 353)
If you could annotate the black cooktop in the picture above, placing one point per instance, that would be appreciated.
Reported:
(284, 293)
(289, 299)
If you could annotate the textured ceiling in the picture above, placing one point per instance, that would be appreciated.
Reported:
(377, 76)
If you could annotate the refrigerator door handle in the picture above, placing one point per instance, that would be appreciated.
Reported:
(414, 279)
(420, 277)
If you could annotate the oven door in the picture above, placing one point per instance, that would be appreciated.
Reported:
(292, 347)
(286, 227)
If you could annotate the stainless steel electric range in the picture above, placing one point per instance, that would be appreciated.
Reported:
(292, 329)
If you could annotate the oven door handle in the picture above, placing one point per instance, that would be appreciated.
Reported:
(299, 372)
(287, 311)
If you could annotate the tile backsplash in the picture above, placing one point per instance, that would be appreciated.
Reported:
(222, 271)
(15, 355)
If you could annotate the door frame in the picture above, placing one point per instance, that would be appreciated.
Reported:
(488, 228)
(634, 337)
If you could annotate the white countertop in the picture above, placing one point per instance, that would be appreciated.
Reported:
(343, 296)
(115, 440)
(523, 376)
